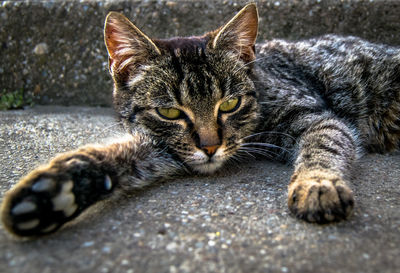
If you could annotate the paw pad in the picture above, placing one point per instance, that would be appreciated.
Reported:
(50, 228)
(44, 184)
(65, 200)
(23, 208)
(45, 200)
(43, 209)
(28, 224)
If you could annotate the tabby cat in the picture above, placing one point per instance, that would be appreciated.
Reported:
(192, 104)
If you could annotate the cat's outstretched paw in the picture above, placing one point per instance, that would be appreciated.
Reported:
(53, 195)
(320, 196)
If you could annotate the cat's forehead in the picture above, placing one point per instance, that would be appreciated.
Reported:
(191, 74)
(196, 80)
(183, 46)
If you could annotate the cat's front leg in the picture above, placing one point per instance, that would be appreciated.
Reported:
(56, 193)
(318, 191)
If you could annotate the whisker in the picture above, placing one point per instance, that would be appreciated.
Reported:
(244, 154)
(236, 159)
(239, 85)
(111, 126)
(270, 132)
(247, 152)
(262, 81)
(162, 151)
(238, 60)
(246, 64)
(262, 152)
(266, 145)
(188, 160)
(103, 133)
(275, 102)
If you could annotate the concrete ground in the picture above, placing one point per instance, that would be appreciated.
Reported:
(236, 221)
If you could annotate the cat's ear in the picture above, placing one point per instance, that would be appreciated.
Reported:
(127, 46)
(239, 34)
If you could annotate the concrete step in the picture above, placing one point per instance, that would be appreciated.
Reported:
(53, 50)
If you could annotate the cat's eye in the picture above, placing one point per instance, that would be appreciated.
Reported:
(229, 105)
(169, 113)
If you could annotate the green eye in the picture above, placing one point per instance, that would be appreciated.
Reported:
(229, 105)
(169, 113)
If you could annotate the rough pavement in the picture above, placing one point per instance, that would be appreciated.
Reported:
(235, 221)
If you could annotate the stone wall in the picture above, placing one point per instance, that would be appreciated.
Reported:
(54, 50)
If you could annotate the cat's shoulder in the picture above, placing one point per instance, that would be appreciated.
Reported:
(327, 44)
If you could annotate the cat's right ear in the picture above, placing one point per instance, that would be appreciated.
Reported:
(127, 46)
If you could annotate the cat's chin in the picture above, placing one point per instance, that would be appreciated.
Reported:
(206, 168)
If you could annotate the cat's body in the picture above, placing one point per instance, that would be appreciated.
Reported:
(194, 104)
(353, 80)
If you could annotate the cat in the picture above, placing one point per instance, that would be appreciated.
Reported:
(193, 104)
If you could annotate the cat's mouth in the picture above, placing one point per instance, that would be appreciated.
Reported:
(201, 163)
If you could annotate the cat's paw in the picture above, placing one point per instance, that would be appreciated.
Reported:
(51, 196)
(320, 196)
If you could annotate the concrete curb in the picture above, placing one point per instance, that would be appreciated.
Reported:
(54, 49)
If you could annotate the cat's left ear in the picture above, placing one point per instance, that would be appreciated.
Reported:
(239, 34)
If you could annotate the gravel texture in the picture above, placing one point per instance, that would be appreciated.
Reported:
(234, 221)
(54, 49)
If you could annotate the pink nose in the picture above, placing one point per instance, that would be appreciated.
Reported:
(210, 150)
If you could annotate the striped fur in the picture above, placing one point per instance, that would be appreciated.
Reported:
(317, 103)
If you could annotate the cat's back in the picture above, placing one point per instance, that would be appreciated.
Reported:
(357, 80)
(331, 57)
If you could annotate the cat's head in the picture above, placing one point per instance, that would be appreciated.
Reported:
(195, 93)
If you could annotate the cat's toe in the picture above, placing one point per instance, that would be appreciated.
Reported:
(320, 197)
(39, 207)
(64, 201)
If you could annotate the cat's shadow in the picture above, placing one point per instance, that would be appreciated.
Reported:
(114, 208)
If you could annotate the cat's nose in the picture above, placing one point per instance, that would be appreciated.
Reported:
(210, 150)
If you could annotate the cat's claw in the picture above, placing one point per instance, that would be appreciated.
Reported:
(319, 196)
(107, 183)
